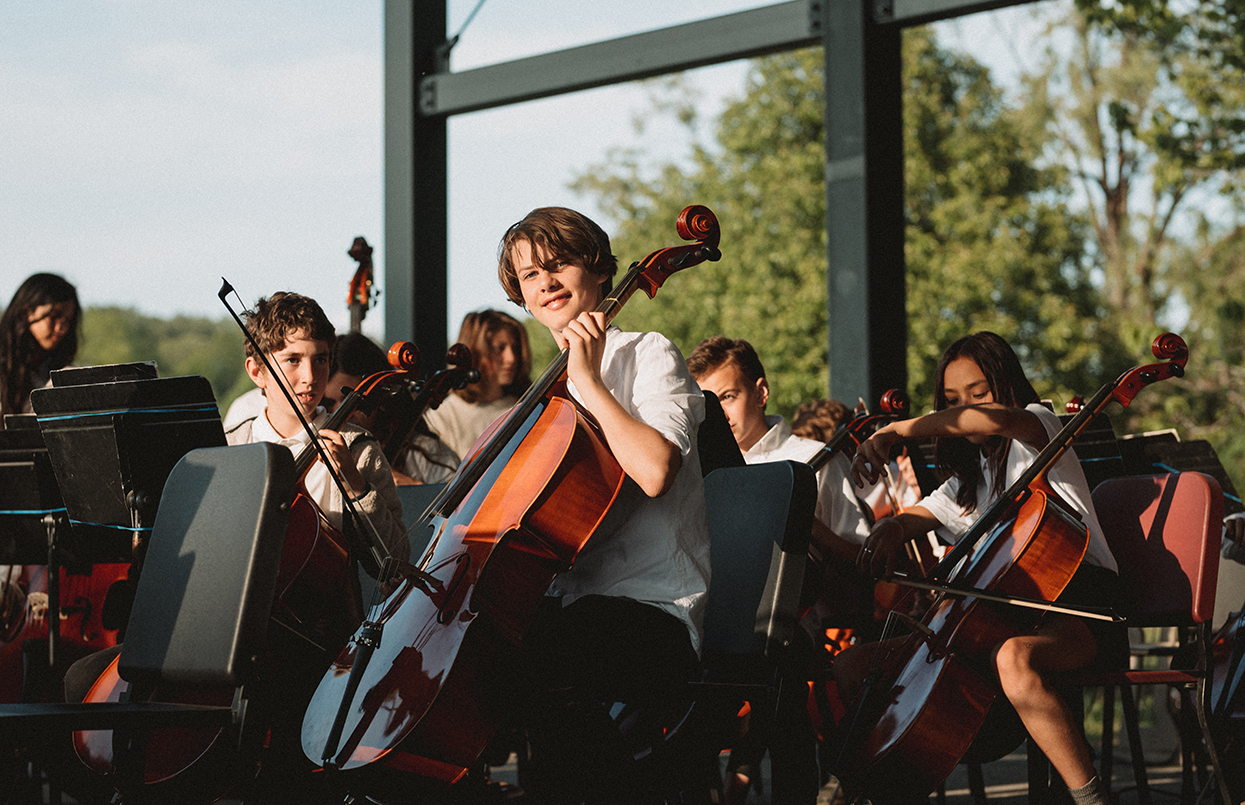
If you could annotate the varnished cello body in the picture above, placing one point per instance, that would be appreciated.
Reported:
(462, 628)
(424, 684)
(82, 626)
(928, 694)
(941, 678)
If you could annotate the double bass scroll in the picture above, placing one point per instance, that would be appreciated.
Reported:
(362, 294)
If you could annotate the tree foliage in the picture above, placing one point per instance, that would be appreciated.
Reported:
(765, 181)
(1149, 137)
(990, 241)
(1148, 110)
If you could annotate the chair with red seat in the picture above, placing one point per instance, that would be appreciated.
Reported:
(1164, 533)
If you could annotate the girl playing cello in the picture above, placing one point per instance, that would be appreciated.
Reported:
(989, 426)
(625, 620)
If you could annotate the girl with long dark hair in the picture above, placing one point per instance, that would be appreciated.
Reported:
(989, 427)
(38, 334)
(500, 351)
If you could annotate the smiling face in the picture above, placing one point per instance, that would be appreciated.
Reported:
(49, 324)
(964, 383)
(304, 362)
(743, 401)
(554, 293)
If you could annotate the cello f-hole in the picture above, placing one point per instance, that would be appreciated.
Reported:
(447, 609)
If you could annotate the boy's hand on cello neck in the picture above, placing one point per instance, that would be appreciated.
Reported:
(647, 457)
(873, 455)
(338, 451)
(584, 338)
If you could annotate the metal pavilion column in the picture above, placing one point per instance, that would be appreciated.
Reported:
(416, 182)
(868, 324)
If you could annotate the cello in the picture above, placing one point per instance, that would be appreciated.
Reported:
(84, 626)
(400, 416)
(893, 404)
(928, 694)
(419, 685)
(316, 569)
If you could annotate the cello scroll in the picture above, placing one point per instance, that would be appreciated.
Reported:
(1169, 347)
(696, 223)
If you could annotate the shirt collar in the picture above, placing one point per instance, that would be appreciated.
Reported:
(777, 435)
(262, 430)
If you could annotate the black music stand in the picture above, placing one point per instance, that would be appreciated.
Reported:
(29, 496)
(1162, 451)
(1098, 450)
(107, 373)
(111, 445)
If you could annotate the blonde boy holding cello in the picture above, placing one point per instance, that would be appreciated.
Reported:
(624, 623)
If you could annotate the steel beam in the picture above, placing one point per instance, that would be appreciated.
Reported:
(772, 29)
(919, 12)
(864, 151)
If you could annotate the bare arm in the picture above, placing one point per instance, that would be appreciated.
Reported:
(988, 419)
(831, 544)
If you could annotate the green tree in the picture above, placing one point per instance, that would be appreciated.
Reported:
(182, 345)
(1209, 402)
(764, 180)
(1149, 137)
(1149, 114)
(990, 240)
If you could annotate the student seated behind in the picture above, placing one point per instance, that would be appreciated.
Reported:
(898, 488)
(423, 458)
(626, 620)
(299, 338)
(500, 352)
(731, 370)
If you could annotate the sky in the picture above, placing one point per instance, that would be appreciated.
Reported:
(148, 148)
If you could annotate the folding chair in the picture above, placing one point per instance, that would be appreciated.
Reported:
(1164, 532)
(201, 609)
(760, 518)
